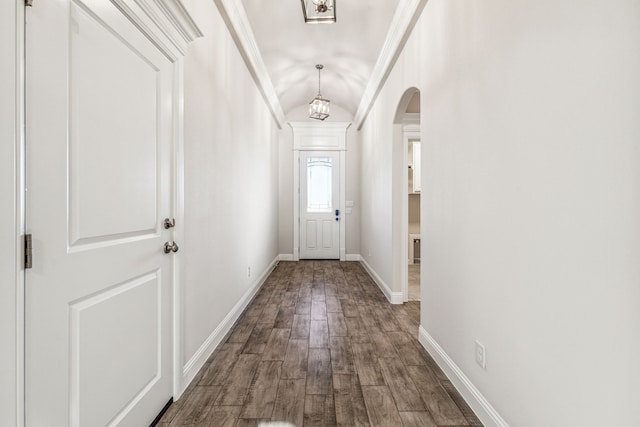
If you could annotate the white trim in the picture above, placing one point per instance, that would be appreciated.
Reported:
(313, 136)
(392, 297)
(406, 15)
(296, 204)
(404, 221)
(177, 234)
(198, 360)
(181, 20)
(173, 20)
(410, 132)
(353, 257)
(343, 201)
(20, 216)
(411, 121)
(285, 257)
(150, 22)
(235, 17)
(480, 405)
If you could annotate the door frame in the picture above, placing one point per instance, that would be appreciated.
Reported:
(169, 24)
(410, 132)
(307, 136)
(408, 123)
(12, 51)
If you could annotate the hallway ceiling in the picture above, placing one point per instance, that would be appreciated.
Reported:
(348, 49)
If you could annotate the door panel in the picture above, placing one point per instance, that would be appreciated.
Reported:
(98, 299)
(112, 153)
(327, 234)
(319, 200)
(94, 335)
(312, 233)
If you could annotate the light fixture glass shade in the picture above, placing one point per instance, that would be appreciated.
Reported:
(319, 11)
(319, 108)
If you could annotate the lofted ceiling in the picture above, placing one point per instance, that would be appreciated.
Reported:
(349, 49)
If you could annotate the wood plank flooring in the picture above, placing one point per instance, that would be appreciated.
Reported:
(320, 346)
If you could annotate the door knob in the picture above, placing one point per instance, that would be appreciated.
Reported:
(170, 247)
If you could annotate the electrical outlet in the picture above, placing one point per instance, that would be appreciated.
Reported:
(481, 355)
(248, 271)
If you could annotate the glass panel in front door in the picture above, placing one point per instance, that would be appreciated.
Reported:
(319, 174)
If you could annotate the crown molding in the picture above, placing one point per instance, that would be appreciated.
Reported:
(411, 121)
(238, 25)
(405, 18)
(180, 18)
(177, 28)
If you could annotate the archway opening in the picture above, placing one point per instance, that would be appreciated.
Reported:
(407, 235)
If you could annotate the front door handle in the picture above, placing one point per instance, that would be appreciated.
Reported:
(170, 247)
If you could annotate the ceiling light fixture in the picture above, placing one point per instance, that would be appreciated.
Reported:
(319, 107)
(319, 11)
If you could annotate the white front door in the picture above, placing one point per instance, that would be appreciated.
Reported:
(98, 298)
(320, 205)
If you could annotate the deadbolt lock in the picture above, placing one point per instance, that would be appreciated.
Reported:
(168, 223)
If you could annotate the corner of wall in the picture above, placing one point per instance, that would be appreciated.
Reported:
(392, 297)
(480, 405)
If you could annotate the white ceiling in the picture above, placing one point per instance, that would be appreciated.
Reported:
(348, 49)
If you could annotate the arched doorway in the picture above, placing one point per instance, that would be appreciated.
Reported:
(406, 195)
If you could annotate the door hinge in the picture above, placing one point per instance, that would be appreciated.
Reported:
(28, 2)
(28, 251)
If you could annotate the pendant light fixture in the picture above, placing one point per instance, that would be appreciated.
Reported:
(319, 107)
(319, 11)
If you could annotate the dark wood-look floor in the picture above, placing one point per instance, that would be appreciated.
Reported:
(321, 346)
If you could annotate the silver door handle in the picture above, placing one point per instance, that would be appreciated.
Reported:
(170, 247)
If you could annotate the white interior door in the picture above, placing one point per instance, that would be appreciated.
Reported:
(98, 298)
(320, 205)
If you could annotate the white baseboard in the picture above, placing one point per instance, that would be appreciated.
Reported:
(353, 257)
(198, 360)
(480, 405)
(392, 297)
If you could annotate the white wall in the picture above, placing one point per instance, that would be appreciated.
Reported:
(530, 115)
(8, 227)
(377, 178)
(352, 220)
(231, 185)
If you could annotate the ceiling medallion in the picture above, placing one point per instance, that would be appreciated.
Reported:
(319, 11)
